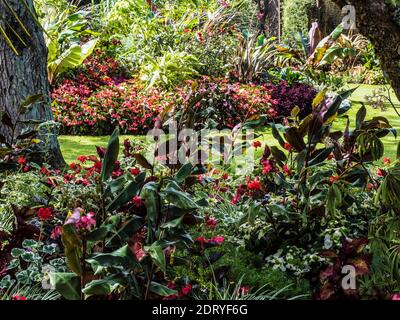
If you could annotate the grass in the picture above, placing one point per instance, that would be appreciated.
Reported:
(73, 146)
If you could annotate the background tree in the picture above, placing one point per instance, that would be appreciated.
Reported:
(23, 73)
(376, 20)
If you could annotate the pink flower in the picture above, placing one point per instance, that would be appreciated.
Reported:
(86, 222)
(286, 170)
(44, 214)
(267, 167)
(218, 239)
(17, 297)
(137, 249)
(137, 201)
(396, 296)
(56, 232)
(381, 173)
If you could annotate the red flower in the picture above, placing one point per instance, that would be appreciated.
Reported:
(73, 166)
(200, 37)
(330, 157)
(26, 168)
(381, 173)
(97, 166)
(386, 161)
(186, 30)
(17, 297)
(333, 179)
(244, 290)
(257, 144)
(211, 222)
(82, 158)
(225, 176)
(218, 239)
(135, 171)
(254, 184)
(137, 201)
(187, 289)
(22, 160)
(44, 171)
(288, 146)
(44, 213)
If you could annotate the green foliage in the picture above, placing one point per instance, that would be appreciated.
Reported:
(169, 70)
(64, 31)
(32, 265)
(295, 16)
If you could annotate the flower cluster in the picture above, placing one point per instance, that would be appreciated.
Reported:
(100, 96)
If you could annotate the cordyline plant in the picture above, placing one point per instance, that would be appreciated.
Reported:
(301, 191)
(128, 254)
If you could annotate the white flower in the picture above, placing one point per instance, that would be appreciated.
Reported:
(327, 242)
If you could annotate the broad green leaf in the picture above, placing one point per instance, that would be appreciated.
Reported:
(127, 194)
(173, 223)
(320, 157)
(277, 135)
(111, 156)
(157, 255)
(67, 284)
(179, 198)
(184, 172)
(360, 117)
(104, 286)
(121, 257)
(161, 290)
(150, 195)
(72, 248)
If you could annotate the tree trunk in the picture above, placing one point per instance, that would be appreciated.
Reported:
(24, 75)
(374, 19)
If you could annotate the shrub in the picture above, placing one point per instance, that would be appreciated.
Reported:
(295, 16)
(99, 98)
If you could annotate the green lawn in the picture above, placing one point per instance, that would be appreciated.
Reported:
(73, 146)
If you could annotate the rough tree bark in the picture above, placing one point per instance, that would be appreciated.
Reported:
(25, 74)
(374, 19)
